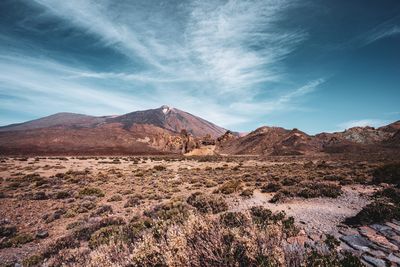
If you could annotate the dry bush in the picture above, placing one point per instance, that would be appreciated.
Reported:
(230, 187)
(207, 203)
(198, 241)
(389, 173)
(376, 212)
(232, 239)
(308, 190)
(91, 191)
(271, 187)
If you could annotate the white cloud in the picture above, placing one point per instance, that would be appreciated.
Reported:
(216, 53)
(286, 101)
(383, 33)
(229, 45)
(383, 30)
(238, 43)
(41, 83)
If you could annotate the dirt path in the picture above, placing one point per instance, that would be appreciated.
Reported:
(317, 215)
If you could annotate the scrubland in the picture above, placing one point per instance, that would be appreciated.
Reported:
(193, 211)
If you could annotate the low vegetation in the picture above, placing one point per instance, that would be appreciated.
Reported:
(386, 204)
(196, 240)
(308, 190)
(161, 211)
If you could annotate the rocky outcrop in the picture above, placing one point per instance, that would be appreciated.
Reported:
(377, 244)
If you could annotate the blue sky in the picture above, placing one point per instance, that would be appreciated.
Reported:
(314, 65)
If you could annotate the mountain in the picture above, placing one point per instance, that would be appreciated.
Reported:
(170, 130)
(278, 141)
(60, 119)
(151, 131)
(392, 128)
(171, 119)
(257, 142)
(165, 117)
(269, 141)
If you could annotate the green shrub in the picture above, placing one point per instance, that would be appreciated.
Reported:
(207, 203)
(233, 219)
(393, 194)
(312, 190)
(91, 191)
(104, 236)
(171, 211)
(376, 212)
(271, 187)
(33, 260)
(389, 173)
(17, 240)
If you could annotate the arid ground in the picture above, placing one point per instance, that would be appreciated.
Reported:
(195, 211)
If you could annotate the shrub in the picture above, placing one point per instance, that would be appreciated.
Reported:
(207, 203)
(84, 232)
(389, 173)
(233, 219)
(85, 206)
(104, 209)
(271, 187)
(17, 240)
(320, 190)
(33, 260)
(103, 236)
(393, 194)
(64, 242)
(349, 260)
(289, 227)
(289, 181)
(171, 211)
(8, 231)
(248, 192)
(376, 212)
(114, 198)
(331, 242)
(132, 201)
(282, 194)
(229, 187)
(91, 191)
(62, 195)
(159, 168)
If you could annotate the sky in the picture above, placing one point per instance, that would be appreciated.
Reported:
(314, 65)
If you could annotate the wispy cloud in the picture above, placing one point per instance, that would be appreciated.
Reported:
(42, 85)
(288, 101)
(238, 43)
(386, 29)
(206, 56)
(226, 44)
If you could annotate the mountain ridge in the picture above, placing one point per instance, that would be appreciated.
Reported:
(170, 130)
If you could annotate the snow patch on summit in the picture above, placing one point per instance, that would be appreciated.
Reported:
(165, 109)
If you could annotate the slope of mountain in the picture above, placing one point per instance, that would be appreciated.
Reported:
(142, 132)
(104, 139)
(392, 128)
(63, 119)
(258, 142)
(167, 118)
(279, 141)
(171, 119)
